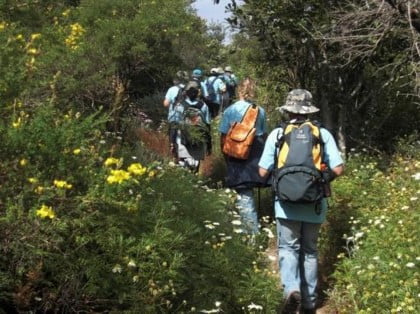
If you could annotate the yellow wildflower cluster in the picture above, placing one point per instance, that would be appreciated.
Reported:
(118, 176)
(62, 184)
(137, 169)
(3, 25)
(45, 212)
(112, 161)
(76, 32)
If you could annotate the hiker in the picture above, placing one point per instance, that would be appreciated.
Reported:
(197, 75)
(298, 223)
(214, 88)
(231, 84)
(242, 175)
(193, 130)
(174, 95)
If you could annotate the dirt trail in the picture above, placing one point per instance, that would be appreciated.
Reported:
(273, 260)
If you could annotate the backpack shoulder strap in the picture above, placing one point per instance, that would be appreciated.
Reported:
(180, 96)
(199, 104)
(250, 117)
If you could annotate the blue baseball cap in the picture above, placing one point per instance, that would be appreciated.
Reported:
(197, 72)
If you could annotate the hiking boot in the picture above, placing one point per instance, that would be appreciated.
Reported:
(291, 305)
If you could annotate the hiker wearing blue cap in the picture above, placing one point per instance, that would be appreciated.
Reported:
(197, 75)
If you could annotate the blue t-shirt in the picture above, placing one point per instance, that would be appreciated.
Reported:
(171, 94)
(218, 85)
(236, 111)
(301, 211)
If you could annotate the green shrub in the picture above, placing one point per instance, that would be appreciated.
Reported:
(378, 270)
(84, 228)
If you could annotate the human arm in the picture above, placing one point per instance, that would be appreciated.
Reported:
(334, 164)
(221, 86)
(166, 102)
(170, 96)
(263, 172)
(266, 162)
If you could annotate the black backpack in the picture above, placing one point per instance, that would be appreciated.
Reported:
(297, 174)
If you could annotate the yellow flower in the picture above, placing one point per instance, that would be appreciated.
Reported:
(152, 174)
(76, 32)
(23, 162)
(136, 169)
(20, 36)
(118, 176)
(65, 13)
(62, 184)
(32, 51)
(17, 123)
(112, 161)
(76, 151)
(2, 25)
(45, 212)
(33, 180)
(35, 36)
(39, 189)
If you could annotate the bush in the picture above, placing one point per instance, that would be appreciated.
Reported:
(378, 270)
(83, 228)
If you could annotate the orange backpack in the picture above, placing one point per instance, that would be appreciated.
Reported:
(239, 139)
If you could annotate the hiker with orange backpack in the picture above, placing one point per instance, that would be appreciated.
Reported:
(242, 167)
(303, 159)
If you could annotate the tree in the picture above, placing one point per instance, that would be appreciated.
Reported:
(342, 53)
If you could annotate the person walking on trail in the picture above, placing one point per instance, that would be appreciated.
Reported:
(298, 223)
(193, 131)
(231, 84)
(197, 75)
(173, 96)
(242, 175)
(214, 88)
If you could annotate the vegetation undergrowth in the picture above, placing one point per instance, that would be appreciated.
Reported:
(88, 226)
(377, 213)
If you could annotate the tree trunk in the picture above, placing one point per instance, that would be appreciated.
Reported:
(341, 135)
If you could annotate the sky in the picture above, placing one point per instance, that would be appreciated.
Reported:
(211, 12)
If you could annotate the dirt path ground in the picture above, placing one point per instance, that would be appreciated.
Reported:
(272, 257)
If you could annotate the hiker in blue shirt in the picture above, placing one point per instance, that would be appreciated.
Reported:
(190, 154)
(242, 175)
(231, 83)
(214, 88)
(298, 224)
(174, 95)
(197, 75)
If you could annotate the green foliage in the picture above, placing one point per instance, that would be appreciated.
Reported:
(82, 232)
(97, 54)
(378, 270)
(355, 57)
